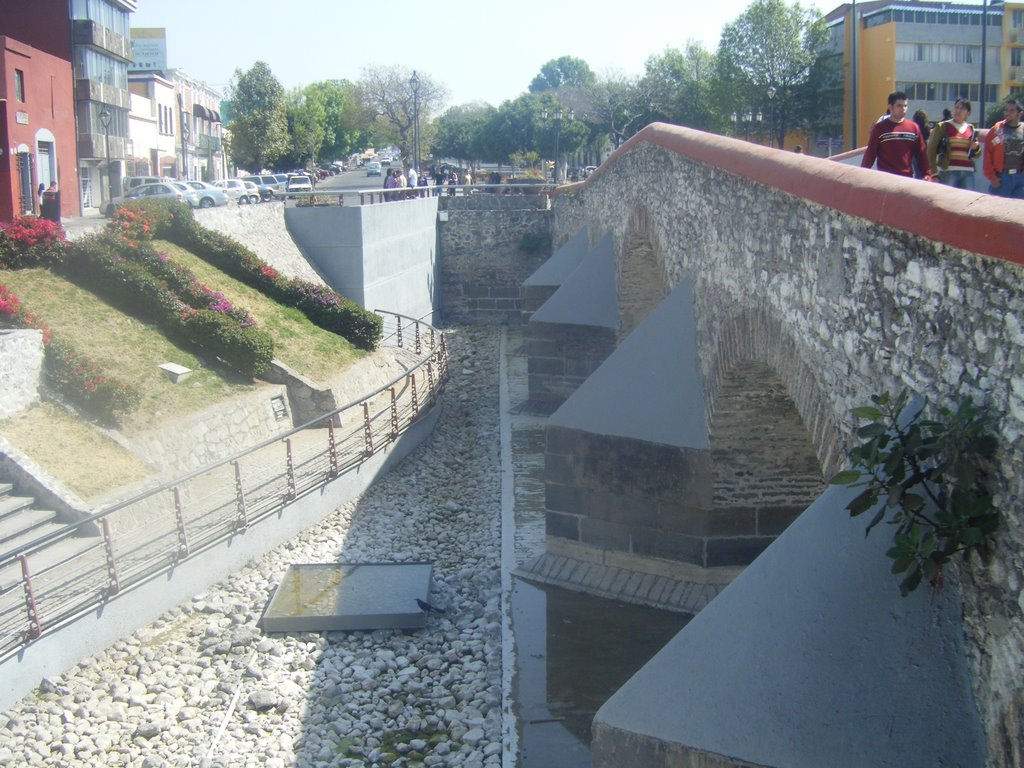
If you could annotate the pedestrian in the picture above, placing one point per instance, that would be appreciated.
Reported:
(50, 208)
(391, 183)
(39, 197)
(453, 180)
(896, 142)
(921, 118)
(952, 147)
(1003, 162)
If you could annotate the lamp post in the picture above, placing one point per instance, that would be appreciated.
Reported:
(557, 117)
(105, 122)
(745, 119)
(414, 83)
(771, 115)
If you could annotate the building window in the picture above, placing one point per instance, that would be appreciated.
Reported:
(1016, 56)
(19, 85)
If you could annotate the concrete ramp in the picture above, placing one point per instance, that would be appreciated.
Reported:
(650, 387)
(563, 261)
(809, 658)
(587, 294)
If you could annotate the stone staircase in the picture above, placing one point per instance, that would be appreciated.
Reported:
(21, 523)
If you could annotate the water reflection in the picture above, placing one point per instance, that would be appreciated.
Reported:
(573, 652)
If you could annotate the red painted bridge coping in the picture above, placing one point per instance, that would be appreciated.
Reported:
(976, 222)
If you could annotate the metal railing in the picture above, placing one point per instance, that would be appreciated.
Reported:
(371, 196)
(56, 578)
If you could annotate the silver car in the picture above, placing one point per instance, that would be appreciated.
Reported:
(165, 190)
(208, 194)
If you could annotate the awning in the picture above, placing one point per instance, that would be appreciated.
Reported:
(200, 111)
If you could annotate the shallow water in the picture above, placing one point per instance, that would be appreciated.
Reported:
(573, 652)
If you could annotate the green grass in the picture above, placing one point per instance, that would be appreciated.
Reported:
(299, 344)
(131, 350)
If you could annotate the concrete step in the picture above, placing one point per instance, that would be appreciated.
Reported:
(11, 504)
(15, 527)
(6, 488)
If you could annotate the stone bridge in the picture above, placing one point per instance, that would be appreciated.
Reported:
(711, 314)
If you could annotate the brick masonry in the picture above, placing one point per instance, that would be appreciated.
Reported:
(487, 246)
(842, 306)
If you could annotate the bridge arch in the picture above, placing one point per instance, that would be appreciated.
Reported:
(641, 280)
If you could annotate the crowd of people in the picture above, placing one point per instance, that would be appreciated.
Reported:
(946, 151)
(403, 184)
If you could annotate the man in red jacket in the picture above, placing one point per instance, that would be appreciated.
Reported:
(895, 140)
(1004, 154)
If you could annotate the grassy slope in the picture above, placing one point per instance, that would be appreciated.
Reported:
(83, 458)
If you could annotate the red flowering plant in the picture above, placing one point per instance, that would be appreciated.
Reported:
(132, 226)
(29, 241)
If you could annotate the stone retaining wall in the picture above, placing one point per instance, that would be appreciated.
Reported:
(21, 363)
(487, 247)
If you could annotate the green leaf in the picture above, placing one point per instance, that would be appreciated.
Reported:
(871, 430)
(867, 412)
(846, 477)
(863, 502)
(875, 521)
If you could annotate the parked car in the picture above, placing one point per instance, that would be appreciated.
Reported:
(243, 192)
(128, 183)
(168, 190)
(208, 194)
(373, 168)
(299, 183)
(270, 181)
(266, 191)
(282, 179)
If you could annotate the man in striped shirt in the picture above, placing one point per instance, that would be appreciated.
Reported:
(952, 148)
(894, 140)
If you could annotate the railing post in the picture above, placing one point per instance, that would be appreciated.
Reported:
(360, 198)
(415, 398)
(418, 346)
(398, 333)
(430, 380)
(108, 545)
(367, 431)
(179, 514)
(35, 627)
(394, 415)
(243, 514)
(290, 469)
(332, 448)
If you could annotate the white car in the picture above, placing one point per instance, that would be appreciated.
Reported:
(241, 191)
(373, 169)
(208, 194)
(299, 183)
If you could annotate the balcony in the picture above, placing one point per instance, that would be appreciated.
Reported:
(211, 143)
(85, 32)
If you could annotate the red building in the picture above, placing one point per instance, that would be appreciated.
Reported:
(37, 127)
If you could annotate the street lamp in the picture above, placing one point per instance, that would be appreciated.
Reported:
(771, 115)
(414, 83)
(745, 119)
(105, 122)
(557, 116)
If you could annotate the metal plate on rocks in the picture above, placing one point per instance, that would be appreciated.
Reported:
(316, 597)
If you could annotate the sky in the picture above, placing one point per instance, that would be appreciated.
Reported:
(480, 50)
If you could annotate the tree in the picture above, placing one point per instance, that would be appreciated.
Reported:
(460, 131)
(307, 121)
(771, 49)
(258, 131)
(563, 72)
(680, 86)
(344, 128)
(387, 97)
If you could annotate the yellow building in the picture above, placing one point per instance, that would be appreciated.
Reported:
(930, 50)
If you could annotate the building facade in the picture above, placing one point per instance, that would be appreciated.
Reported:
(930, 50)
(152, 149)
(37, 129)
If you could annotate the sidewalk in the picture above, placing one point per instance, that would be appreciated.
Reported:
(78, 226)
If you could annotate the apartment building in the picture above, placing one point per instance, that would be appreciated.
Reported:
(930, 50)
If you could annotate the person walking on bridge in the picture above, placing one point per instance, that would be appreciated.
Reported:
(1004, 154)
(895, 142)
(952, 148)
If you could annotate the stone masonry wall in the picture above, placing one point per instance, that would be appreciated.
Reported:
(851, 307)
(487, 248)
(21, 362)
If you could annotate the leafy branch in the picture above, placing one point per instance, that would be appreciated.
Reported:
(934, 477)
